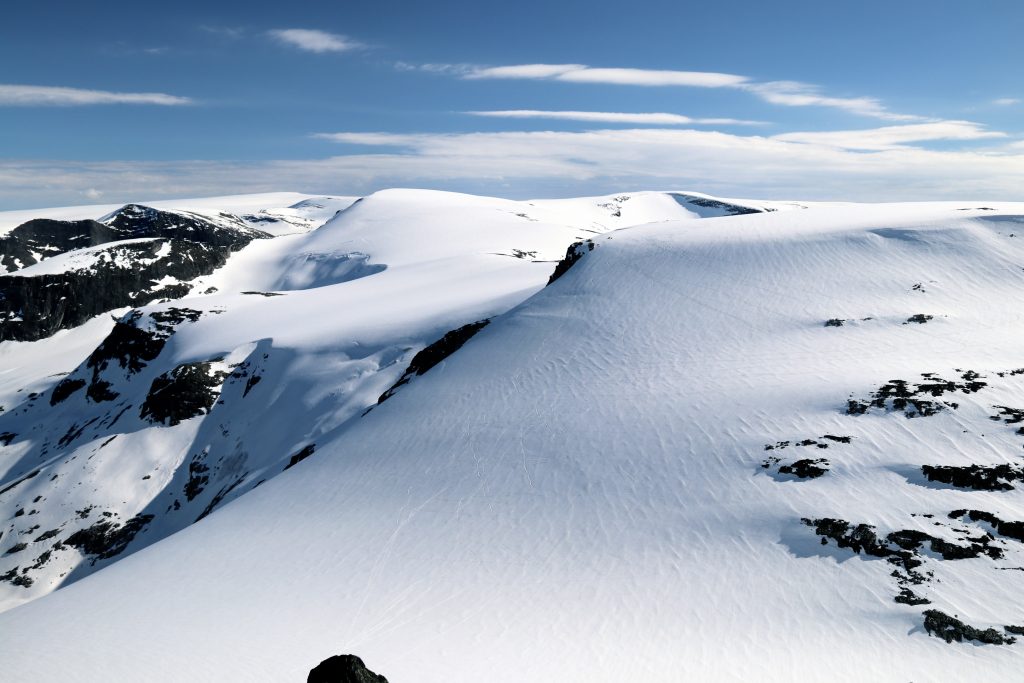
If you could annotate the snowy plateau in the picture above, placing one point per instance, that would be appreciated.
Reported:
(652, 436)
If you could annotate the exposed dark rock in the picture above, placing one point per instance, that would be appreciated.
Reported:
(197, 478)
(64, 389)
(1014, 530)
(106, 539)
(343, 669)
(186, 391)
(221, 495)
(901, 548)
(704, 202)
(178, 244)
(19, 481)
(976, 477)
(949, 628)
(13, 577)
(253, 380)
(263, 293)
(909, 597)
(16, 548)
(301, 455)
(46, 237)
(47, 535)
(435, 353)
(806, 469)
(919, 318)
(898, 395)
(574, 253)
(834, 322)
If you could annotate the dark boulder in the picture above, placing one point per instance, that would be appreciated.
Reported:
(343, 669)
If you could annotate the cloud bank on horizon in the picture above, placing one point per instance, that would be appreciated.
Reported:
(739, 138)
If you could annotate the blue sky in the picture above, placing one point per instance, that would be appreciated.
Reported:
(124, 101)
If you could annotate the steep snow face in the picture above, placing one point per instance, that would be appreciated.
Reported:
(184, 405)
(702, 454)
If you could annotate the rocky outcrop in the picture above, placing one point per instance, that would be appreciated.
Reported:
(168, 250)
(343, 669)
(435, 353)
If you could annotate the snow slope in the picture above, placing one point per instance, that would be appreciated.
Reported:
(190, 403)
(586, 491)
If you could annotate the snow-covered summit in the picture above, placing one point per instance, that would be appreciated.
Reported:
(755, 446)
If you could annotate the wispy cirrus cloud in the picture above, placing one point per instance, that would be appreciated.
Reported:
(311, 40)
(653, 118)
(780, 93)
(50, 96)
(1006, 101)
(580, 73)
(894, 137)
(796, 94)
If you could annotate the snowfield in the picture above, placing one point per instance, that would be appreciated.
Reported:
(733, 441)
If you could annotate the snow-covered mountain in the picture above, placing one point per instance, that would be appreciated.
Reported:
(779, 442)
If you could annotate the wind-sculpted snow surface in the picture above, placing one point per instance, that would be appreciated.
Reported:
(188, 404)
(649, 469)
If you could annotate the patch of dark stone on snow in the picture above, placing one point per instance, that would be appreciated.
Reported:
(941, 625)
(834, 322)
(574, 253)
(802, 469)
(197, 478)
(19, 481)
(1014, 530)
(107, 539)
(780, 445)
(219, 497)
(1015, 630)
(13, 577)
(263, 293)
(343, 669)
(909, 597)
(435, 353)
(186, 391)
(1009, 415)
(16, 548)
(902, 548)
(306, 451)
(6, 438)
(253, 380)
(900, 396)
(806, 468)
(74, 431)
(730, 209)
(47, 535)
(64, 389)
(132, 346)
(976, 477)
(919, 318)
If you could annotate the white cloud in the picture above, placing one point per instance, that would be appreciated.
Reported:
(312, 40)
(781, 93)
(580, 73)
(551, 163)
(657, 119)
(892, 137)
(795, 94)
(1006, 101)
(48, 96)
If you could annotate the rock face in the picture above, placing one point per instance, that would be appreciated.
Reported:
(343, 669)
(435, 353)
(167, 250)
(38, 239)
